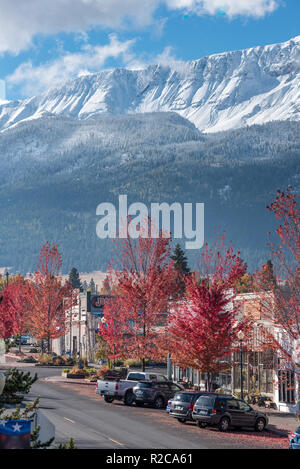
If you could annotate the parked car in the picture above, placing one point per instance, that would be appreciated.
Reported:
(295, 439)
(183, 404)
(225, 411)
(23, 340)
(122, 389)
(156, 393)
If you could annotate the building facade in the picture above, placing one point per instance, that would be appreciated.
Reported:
(82, 325)
(264, 371)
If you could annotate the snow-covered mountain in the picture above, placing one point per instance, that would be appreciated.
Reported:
(216, 93)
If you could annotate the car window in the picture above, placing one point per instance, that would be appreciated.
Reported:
(244, 406)
(163, 386)
(157, 377)
(174, 387)
(232, 404)
(144, 385)
(135, 376)
(220, 403)
(206, 401)
(182, 397)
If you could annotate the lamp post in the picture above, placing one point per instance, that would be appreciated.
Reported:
(241, 336)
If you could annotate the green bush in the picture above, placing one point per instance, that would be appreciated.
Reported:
(17, 384)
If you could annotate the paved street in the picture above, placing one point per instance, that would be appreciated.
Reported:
(76, 411)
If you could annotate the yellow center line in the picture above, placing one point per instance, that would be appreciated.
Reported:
(69, 420)
(115, 441)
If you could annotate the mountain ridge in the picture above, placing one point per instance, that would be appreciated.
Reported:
(216, 93)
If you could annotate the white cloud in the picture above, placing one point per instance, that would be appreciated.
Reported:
(2, 90)
(22, 20)
(255, 8)
(36, 79)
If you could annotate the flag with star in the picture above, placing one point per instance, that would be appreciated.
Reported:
(15, 434)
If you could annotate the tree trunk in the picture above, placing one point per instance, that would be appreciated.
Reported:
(208, 382)
(144, 364)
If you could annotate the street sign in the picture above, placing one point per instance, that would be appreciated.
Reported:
(98, 303)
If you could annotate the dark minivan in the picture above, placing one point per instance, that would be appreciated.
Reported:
(183, 404)
(226, 411)
(156, 393)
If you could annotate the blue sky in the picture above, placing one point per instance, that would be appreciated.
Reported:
(43, 43)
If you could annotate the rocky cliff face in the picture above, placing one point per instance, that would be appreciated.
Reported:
(216, 93)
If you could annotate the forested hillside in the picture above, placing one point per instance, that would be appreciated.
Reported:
(56, 170)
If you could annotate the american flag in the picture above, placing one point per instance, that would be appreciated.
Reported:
(15, 434)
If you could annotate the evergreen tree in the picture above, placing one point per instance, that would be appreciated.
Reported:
(17, 384)
(84, 286)
(182, 268)
(180, 260)
(268, 280)
(92, 286)
(74, 278)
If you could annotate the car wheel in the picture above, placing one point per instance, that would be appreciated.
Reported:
(260, 425)
(159, 402)
(201, 424)
(224, 424)
(128, 399)
(108, 399)
(181, 420)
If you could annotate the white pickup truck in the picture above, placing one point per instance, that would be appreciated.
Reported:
(122, 389)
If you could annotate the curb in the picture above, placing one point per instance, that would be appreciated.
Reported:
(67, 381)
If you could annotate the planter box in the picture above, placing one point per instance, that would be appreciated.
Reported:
(75, 376)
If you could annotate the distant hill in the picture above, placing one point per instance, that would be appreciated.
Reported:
(57, 169)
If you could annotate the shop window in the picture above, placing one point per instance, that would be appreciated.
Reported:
(286, 383)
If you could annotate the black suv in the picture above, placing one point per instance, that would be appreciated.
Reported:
(225, 411)
(183, 404)
(156, 393)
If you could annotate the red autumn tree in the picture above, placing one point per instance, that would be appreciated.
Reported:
(203, 328)
(142, 279)
(6, 321)
(15, 305)
(49, 299)
(280, 290)
(111, 331)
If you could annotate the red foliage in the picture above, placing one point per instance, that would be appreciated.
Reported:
(281, 296)
(14, 308)
(143, 284)
(48, 298)
(203, 328)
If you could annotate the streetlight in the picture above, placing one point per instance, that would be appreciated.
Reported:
(240, 336)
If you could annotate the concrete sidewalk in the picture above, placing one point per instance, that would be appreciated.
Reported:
(61, 379)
